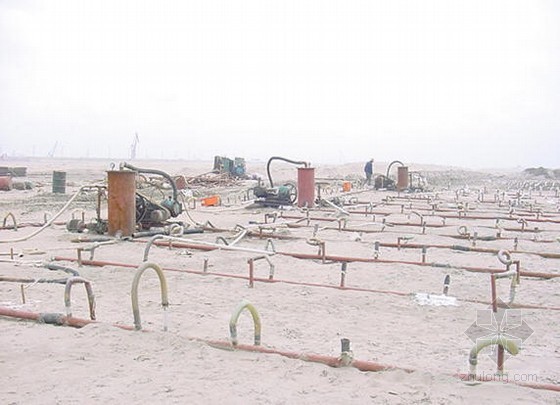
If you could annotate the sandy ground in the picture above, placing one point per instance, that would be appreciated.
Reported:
(302, 312)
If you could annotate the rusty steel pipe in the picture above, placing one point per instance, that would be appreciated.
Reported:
(486, 238)
(311, 357)
(465, 249)
(330, 361)
(265, 280)
(179, 242)
(324, 258)
(500, 354)
(52, 318)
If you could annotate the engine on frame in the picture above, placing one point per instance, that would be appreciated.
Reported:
(276, 196)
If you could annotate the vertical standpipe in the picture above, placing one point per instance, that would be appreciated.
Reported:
(306, 187)
(121, 202)
(402, 178)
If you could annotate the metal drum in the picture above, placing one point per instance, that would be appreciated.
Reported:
(59, 182)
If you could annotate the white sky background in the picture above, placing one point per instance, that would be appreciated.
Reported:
(467, 83)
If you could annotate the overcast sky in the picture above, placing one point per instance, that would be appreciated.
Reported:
(468, 83)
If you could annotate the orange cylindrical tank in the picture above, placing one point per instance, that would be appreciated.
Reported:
(402, 178)
(346, 186)
(306, 187)
(5, 183)
(121, 202)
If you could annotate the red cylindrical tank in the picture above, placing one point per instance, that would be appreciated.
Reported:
(306, 186)
(402, 178)
(5, 183)
(121, 202)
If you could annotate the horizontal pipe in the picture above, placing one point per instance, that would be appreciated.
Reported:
(52, 318)
(331, 361)
(463, 237)
(98, 263)
(462, 217)
(522, 230)
(208, 246)
(32, 280)
(373, 260)
(466, 249)
(324, 257)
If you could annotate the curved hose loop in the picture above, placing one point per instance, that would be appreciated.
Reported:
(235, 316)
(50, 221)
(463, 231)
(391, 165)
(295, 162)
(314, 241)
(154, 171)
(149, 245)
(505, 257)
(134, 293)
(419, 216)
(10, 215)
(222, 239)
(91, 298)
(481, 343)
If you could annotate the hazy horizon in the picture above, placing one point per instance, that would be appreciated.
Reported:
(468, 84)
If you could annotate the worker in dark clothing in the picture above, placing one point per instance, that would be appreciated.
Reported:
(368, 169)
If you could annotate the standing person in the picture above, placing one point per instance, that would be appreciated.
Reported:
(368, 169)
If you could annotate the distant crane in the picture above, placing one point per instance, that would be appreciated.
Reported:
(135, 143)
(53, 150)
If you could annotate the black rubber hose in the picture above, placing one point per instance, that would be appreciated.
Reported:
(52, 266)
(391, 165)
(154, 171)
(295, 162)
